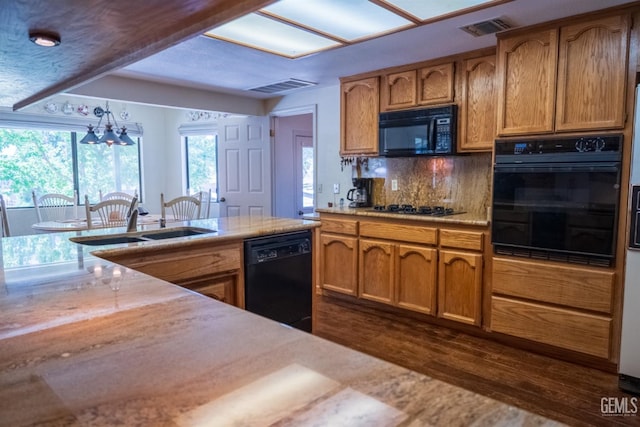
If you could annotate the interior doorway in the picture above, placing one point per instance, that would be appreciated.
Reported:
(294, 163)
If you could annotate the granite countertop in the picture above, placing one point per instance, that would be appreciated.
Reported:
(462, 219)
(88, 342)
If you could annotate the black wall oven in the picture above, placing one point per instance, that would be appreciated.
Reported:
(557, 198)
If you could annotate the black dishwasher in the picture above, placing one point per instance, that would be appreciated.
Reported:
(278, 278)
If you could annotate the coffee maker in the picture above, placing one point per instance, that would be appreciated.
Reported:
(361, 195)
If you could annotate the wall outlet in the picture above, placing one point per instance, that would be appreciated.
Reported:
(394, 185)
(336, 188)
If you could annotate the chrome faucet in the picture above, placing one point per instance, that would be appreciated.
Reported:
(132, 216)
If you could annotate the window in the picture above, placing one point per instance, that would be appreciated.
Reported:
(50, 161)
(202, 163)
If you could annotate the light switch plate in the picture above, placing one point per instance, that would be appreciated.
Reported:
(394, 185)
(336, 188)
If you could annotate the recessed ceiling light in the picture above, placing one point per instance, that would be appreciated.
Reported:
(44, 38)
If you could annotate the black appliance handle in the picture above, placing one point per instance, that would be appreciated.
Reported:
(559, 167)
(350, 194)
(431, 143)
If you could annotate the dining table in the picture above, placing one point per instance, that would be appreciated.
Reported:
(80, 224)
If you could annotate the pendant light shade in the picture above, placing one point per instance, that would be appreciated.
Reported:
(110, 136)
(124, 138)
(90, 137)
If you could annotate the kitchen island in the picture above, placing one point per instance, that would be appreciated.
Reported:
(89, 342)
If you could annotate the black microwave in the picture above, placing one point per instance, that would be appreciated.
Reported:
(424, 132)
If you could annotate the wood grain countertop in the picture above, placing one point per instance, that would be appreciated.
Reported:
(459, 219)
(88, 342)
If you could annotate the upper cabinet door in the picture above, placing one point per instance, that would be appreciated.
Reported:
(360, 107)
(478, 104)
(592, 74)
(399, 90)
(527, 82)
(435, 84)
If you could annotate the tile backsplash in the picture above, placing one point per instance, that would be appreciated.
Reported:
(460, 182)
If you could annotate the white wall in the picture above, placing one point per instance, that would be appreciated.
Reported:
(162, 154)
(327, 142)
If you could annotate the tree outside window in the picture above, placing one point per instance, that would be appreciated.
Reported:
(202, 164)
(47, 162)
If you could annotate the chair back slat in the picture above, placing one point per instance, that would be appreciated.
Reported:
(54, 206)
(183, 208)
(111, 213)
(115, 195)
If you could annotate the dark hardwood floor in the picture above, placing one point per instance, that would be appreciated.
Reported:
(556, 389)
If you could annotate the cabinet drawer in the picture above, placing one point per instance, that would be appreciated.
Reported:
(585, 333)
(578, 287)
(405, 233)
(187, 264)
(339, 226)
(471, 240)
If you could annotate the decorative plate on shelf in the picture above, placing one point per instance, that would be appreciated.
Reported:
(51, 107)
(124, 115)
(67, 108)
(98, 112)
(83, 110)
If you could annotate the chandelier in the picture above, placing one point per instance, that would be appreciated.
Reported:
(110, 136)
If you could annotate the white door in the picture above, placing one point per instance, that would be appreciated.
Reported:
(244, 166)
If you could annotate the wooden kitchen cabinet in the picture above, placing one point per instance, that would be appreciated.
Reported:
(592, 74)
(569, 78)
(478, 105)
(430, 85)
(359, 110)
(210, 269)
(397, 266)
(436, 84)
(529, 301)
(399, 90)
(416, 279)
(376, 270)
(460, 286)
(527, 82)
(398, 274)
(338, 259)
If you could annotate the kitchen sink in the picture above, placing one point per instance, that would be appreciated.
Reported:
(176, 232)
(145, 236)
(106, 240)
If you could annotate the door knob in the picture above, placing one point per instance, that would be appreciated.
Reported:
(300, 213)
(222, 199)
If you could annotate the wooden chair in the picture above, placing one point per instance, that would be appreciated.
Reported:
(4, 220)
(115, 195)
(54, 206)
(112, 213)
(205, 203)
(184, 208)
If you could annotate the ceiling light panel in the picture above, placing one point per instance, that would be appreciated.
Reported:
(347, 20)
(427, 10)
(267, 34)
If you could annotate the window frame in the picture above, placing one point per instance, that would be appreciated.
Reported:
(73, 140)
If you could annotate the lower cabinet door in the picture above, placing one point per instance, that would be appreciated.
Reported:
(460, 286)
(339, 264)
(376, 271)
(416, 278)
(220, 288)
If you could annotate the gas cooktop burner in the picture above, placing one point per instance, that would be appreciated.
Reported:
(420, 210)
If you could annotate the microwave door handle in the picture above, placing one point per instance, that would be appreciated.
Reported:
(431, 143)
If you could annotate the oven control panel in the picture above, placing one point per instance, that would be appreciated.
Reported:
(585, 144)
